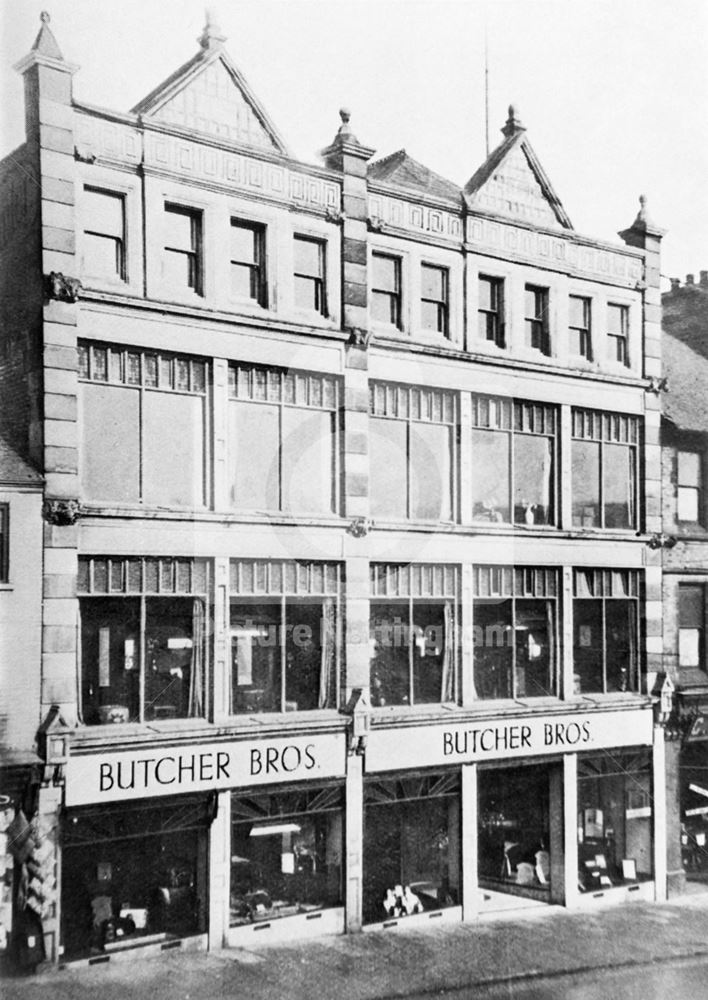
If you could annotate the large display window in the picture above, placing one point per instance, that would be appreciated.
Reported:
(412, 857)
(286, 853)
(514, 830)
(134, 873)
(614, 819)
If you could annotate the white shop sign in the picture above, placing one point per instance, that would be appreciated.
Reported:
(203, 767)
(504, 739)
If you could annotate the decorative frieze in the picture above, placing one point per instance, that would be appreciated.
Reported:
(98, 138)
(414, 216)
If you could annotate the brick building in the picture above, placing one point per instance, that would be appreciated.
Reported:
(349, 479)
(684, 451)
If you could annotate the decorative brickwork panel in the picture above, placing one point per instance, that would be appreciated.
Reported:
(513, 189)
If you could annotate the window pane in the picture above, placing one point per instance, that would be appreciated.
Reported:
(254, 448)
(534, 640)
(256, 657)
(618, 478)
(110, 660)
(688, 504)
(488, 294)
(110, 447)
(388, 464)
(385, 277)
(617, 320)
(493, 640)
(384, 307)
(244, 281)
(308, 461)
(689, 647)
(689, 468)
(430, 472)
(180, 229)
(103, 213)
(490, 476)
(390, 663)
(432, 316)
(588, 645)
(179, 269)
(433, 667)
(308, 257)
(307, 293)
(579, 312)
(103, 256)
(172, 659)
(533, 479)
(691, 606)
(621, 644)
(585, 456)
(308, 665)
(173, 475)
(244, 243)
(433, 281)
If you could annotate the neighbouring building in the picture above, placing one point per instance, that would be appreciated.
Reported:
(349, 606)
(685, 511)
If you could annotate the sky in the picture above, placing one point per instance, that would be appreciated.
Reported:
(613, 93)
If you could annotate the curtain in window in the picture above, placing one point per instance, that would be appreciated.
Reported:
(448, 664)
(196, 676)
(631, 646)
(550, 626)
(327, 654)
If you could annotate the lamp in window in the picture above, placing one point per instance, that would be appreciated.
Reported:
(270, 829)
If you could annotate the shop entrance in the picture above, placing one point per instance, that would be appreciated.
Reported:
(514, 831)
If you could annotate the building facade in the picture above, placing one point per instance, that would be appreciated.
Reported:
(684, 457)
(349, 611)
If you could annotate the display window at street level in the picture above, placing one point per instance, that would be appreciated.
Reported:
(514, 853)
(614, 819)
(413, 635)
(285, 635)
(286, 853)
(144, 625)
(412, 856)
(134, 873)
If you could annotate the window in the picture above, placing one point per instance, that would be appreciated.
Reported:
(248, 274)
(284, 440)
(287, 853)
(605, 630)
(513, 461)
(537, 334)
(386, 289)
(412, 452)
(104, 234)
(143, 646)
(4, 542)
(690, 487)
(182, 263)
(579, 327)
(617, 331)
(604, 461)
(491, 310)
(310, 274)
(412, 633)
(285, 643)
(692, 621)
(134, 406)
(515, 624)
(434, 303)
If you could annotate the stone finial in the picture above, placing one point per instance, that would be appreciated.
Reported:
(344, 140)
(642, 227)
(690, 279)
(513, 122)
(211, 37)
(345, 128)
(45, 43)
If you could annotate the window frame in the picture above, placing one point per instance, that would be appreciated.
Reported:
(393, 298)
(702, 664)
(120, 242)
(603, 585)
(493, 316)
(194, 255)
(584, 332)
(537, 326)
(257, 269)
(619, 340)
(4, 542)
(697, 488)
(442, 305)
(606, 428)
(318, 282)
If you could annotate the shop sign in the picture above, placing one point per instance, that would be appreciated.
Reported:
(504, 739)
(204, 767)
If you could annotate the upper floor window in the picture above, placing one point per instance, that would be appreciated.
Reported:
(143, 638)
(618, 332)
(692, 623)
(135, 405)
(434, 298)
(579, 327)
(537, 331)
(248, 273)
(412, 448)
(104, 234)
(182, 261)
(690, 486)
(604, 459)
(283, 444)
(386, 289)
(515, 631)
(491, 310)
(4, 542)
(285, 635)
(605, 630)
(412, 630)
(309, 274)
(513, 461)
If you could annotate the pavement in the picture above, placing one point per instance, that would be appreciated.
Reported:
(398, 962)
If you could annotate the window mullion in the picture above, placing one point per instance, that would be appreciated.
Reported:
(411, 651)
(142, 660)
(603, 601)
(283, 651)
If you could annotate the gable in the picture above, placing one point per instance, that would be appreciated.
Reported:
(514, 186)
